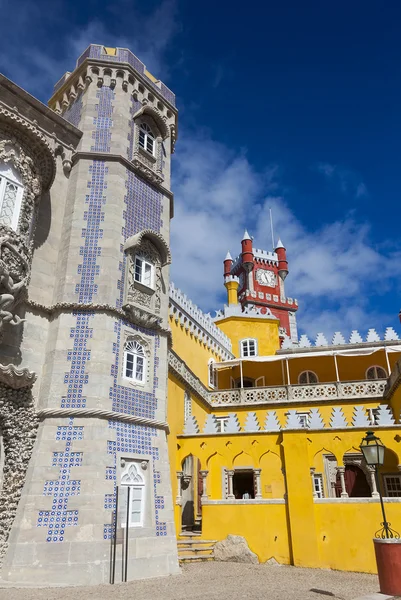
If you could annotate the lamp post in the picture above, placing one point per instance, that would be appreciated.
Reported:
(373, 449)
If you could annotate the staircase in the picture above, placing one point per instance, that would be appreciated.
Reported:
(191, 548)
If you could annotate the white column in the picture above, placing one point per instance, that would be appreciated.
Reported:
(312, 472)
(288, 371)
(178, 499)
(203, 474)
(388, 362)
(230, 475)
(336, 366)
(341, 470)
(375, 493)
(241, 374)
(258, 489)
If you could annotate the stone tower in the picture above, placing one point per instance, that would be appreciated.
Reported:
(95, 336)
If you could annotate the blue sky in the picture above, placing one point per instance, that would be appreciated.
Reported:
(284, 104)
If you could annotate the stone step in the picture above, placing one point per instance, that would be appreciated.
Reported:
(194, 558)
(194, 542)
(197, 549)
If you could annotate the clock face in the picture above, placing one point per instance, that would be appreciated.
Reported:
(267, 278)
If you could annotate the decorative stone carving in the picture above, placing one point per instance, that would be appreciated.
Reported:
(16, 378)
(14, 276)
(135, 293)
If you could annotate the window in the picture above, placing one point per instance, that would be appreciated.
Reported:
(318, 485)
(373, 416)
(135, 362)
(187, 406)
(249, 347)
(212, 374)
(307, 377)
(146, 138)
(11, 192)
(132, 479)
(303, 418)
(243, 484)
(376, 373)
(221, 424)
(144, 272)
(392, 485)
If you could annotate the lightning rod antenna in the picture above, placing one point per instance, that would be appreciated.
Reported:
(271, 226)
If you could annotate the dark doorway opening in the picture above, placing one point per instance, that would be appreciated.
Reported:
(243, 485)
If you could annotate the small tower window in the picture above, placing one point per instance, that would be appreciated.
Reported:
(146, 138)
(376, 372)
(249, 347)
(144, 272)
(134, 362)
(307, 377)
(11, 192)
(132, 478)
(213, 382)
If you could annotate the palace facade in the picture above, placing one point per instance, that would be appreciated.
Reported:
(128, 416)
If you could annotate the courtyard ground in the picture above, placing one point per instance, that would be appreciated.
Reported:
(219, 581)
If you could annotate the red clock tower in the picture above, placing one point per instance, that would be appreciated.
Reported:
(261, 283)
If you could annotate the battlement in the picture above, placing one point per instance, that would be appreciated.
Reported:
(120, 55)
(199, 323)
(338, 339)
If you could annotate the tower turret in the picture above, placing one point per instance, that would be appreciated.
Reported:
(282, 260)
(228, 261)
(247, 252)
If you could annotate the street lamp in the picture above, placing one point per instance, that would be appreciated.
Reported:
(373, 449)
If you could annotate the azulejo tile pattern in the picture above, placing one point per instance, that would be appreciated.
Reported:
(135, 106)
(103, 122)
(73, 113)
(61, 489)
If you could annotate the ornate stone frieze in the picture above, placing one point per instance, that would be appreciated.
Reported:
(146, 172)
(16, 378)
(14, 275)
(136, 293)
(183, 373)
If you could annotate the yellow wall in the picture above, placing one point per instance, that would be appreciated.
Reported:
(264, 330)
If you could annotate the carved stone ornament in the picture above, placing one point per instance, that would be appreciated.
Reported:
(16, 378)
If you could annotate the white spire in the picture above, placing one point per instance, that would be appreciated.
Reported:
(246, 236)
(228, 257)
(279, 244)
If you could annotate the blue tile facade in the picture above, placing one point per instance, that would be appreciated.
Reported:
(73, 113)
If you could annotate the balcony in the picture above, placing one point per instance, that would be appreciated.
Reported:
(344, 390)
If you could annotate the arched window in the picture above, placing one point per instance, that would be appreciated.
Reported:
(146, 138)
(249, 347)
(307, 377)
(376, 372)
(134, 362)
(11, 191)
(187, 406)
(132, 478)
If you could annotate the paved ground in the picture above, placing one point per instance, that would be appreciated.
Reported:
(219, 581)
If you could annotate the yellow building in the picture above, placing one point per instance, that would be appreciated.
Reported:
(265, 429)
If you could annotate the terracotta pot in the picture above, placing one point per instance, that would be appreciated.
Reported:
(388, 559)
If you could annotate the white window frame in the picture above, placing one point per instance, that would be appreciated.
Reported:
(132, 348)
(140, 277)
(307, 372)
(318, 488)
(387, 476)
(222, 424)
(245, 347)
(9, 175)
(303, 418)
(373, 415)
(260, 381)
(213, 379)
(187, 406)
(375, 367)
(136, 485)
(147, 137)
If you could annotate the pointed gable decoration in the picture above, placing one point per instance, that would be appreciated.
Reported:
(251, 423)
(304, 341)
(272, 422)
(315, 419)
(321, 340)
(390, 334)
(232, 424)
(360, 418)
(191, 426)
(292, 420)
(211, 425)
(355, 337)
(338, 339)
(287, 343)
(337, 420)
(385, 415)
(372, 336)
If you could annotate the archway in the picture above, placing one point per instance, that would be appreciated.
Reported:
(192, 488)
(356, 484)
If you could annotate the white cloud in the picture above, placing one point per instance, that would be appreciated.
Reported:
(333, 269)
